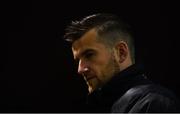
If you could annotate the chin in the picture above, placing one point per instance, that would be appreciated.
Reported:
(90, 89)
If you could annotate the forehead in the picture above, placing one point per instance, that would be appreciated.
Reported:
(87, 41)
(88, 38)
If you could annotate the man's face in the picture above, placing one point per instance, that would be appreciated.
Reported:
(97, 64)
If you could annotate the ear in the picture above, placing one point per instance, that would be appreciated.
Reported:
(122, 51)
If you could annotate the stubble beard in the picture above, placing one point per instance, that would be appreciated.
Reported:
(111, 69)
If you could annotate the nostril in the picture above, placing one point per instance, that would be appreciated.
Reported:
(83, 70)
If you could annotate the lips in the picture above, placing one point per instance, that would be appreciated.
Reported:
(89, 78)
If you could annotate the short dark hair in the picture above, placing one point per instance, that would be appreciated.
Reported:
(109, 27)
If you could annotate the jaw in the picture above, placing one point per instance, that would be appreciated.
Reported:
(93, 84)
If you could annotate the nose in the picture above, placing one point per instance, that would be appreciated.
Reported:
(82, 67)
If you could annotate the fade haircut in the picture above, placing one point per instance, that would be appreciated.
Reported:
(110, 29)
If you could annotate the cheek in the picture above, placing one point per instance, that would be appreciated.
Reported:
(109, 68)
(103, 58)
(100, 64)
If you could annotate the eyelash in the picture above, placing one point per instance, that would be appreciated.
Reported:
(86, 56)
(89, 55)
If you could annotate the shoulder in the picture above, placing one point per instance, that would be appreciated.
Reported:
(146, 98)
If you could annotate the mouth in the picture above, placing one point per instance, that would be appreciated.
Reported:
(87, 78)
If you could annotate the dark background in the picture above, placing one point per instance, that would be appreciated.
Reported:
(38, 74)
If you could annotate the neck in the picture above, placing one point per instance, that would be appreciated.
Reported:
(127, 63)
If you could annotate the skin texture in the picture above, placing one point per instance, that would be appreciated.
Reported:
(98, 63)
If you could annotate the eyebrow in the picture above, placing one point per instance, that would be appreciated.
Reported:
(85, 52)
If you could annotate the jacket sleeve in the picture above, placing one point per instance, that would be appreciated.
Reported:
(153, 102)
(136, 102)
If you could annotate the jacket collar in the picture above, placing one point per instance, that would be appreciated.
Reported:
(119, 84)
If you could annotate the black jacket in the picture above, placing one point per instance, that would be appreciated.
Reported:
(131, 91)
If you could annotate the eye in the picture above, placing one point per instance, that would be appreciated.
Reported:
(89, 55)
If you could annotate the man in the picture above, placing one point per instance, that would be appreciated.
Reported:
(103, 47)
